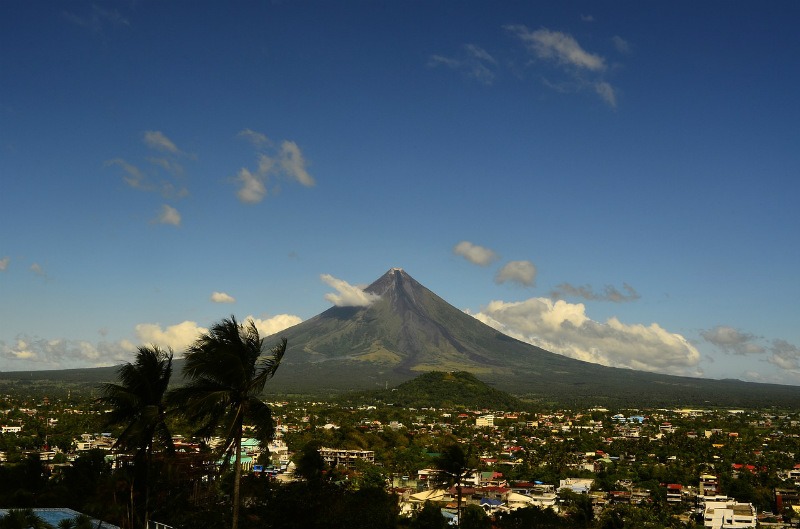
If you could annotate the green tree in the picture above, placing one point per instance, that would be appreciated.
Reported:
(226, 378)
(474, 518)
(429, 517)
(137, 402)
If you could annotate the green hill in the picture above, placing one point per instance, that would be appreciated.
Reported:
(444, 389)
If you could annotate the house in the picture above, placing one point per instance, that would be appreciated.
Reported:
(709, 485)
(674, 492)
(576, 485)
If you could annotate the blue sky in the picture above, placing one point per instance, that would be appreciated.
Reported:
(613, 181)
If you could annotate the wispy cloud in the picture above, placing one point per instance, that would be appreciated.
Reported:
(564, 328)
(732, 340)
(222, 297)
(474, 62)
(609, 293)
(259, 140)
(165, 174)
(583, 69)
(155, 139)
(347, 295)
(287, 161)
(778, 352)
(294, 164)
(4, 263)
(559, 47)
(168, 215)
(520, 272)
(97, 19)
(606, 93)
(37, 269)
(622, 45)
(785, 355)
(134, 177)
(475, 254)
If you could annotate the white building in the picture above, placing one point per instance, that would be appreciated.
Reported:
(728, 515)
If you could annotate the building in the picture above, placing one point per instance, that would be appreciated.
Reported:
(485, 420)
(345, 458)
(709, 485)
(674, 492)
(729, 515)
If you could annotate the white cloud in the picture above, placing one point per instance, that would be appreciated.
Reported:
(252, 190)
(564, 328)
(155, 139)
(36, 353)
(288, 162)
(582, 68)
(169, 215)
(222, 297)
(347, 295)
(558, 46)
(522, 272)
(275, 324)
(178, 336)
(182, 335)
(475, 254)
(294, 164)
(4, 263)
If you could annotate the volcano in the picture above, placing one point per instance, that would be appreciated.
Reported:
(405, 329)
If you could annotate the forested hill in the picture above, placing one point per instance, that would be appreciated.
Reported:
(441, 389)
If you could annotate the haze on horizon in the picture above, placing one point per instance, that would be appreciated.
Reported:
(611, 182)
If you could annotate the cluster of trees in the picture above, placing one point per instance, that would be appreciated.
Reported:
(225, 372)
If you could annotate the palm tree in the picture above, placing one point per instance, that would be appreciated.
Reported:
(226, 375)
(453, 469)
(138, 401)
(22, 519)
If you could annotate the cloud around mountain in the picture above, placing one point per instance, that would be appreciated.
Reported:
(564, 328)
(347, 295)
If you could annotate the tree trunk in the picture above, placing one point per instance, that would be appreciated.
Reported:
(236, 481)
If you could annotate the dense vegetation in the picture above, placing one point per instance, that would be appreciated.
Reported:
(441, 389)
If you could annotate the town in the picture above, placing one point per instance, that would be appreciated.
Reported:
(546, 467)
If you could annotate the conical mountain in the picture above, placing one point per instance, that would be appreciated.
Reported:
(404, 329)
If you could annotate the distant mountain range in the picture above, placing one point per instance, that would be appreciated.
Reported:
(407, 330)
